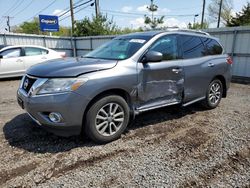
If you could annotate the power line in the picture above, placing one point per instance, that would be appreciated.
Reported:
(42, 10)
(140, 14)
(77, 11)
(74, 7)
(73, 4)
(7, 12)
(17, 5)
(30, 3)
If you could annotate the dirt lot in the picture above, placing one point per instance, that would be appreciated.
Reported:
(185, 148)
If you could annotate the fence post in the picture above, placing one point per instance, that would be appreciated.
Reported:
(91, 43)
(234, 42)
(44, 41)
(4, 39)
(73, 45)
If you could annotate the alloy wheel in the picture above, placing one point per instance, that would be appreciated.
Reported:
(109, 119)
(215, 93)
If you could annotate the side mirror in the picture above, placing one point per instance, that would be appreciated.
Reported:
(1, 56)
(152, 56)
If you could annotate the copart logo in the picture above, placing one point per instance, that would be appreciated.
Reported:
(49, 21)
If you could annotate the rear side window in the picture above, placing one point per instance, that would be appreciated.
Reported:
(213, 47)
(167, 45)
(192, 47)
(30, 51)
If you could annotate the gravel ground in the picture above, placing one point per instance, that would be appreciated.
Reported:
(190, 147)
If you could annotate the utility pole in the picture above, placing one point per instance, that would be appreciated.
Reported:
(218, 24)
(72, 28)
(8, 21)
(97, 8)
(72, 17)
(203, 13)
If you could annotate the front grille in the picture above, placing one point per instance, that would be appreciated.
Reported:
(27, 83)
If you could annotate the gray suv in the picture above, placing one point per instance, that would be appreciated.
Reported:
(99, 93)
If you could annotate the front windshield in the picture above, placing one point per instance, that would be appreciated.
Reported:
(117, 49)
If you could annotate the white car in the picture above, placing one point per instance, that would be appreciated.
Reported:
(15, 60)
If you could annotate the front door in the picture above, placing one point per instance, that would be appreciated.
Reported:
(161, 83)
(11, 62)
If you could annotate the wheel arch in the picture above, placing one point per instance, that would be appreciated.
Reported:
(120, 92)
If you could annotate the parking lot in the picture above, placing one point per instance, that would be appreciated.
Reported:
(189, 147)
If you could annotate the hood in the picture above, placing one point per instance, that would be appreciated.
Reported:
(70, 67)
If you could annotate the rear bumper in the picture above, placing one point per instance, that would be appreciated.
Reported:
(70, 105)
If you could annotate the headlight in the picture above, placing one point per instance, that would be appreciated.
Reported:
(59, 85)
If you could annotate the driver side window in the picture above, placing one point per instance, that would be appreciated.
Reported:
(11, 53)
(167, 45)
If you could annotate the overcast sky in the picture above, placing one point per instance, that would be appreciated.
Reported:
(126, 13)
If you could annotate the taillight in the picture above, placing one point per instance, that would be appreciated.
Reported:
(229, 60)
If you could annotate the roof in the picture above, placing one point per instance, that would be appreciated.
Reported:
(20, 46)
(150, 34)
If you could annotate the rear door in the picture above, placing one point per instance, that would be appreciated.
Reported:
(12, 62)
(195, 64)
(161, 83)
(34, 55)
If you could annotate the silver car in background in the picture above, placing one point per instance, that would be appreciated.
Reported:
(99, 93)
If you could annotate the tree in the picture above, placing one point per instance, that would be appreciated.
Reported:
(242, 18)
(31, 27)
(63, 31)
(153, 22)
(226, 10)
(99, 25)
(198, 25)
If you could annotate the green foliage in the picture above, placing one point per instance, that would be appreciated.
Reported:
(63, 31)
(153, 22)
(198, 25)
(99, 25)
(31, 27)
(242, 18)
(87, 27)
(226, 10)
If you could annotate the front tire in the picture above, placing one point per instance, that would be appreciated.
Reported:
(213, 95)
(107, 119)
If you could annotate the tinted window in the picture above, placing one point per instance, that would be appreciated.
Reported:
(11, 53)
(167, 45)
(213, 47)
(192, 47)
(30, 51)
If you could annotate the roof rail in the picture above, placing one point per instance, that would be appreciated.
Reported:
(190, 31)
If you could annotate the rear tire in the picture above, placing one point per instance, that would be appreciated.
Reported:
(107, 119)
(213, 95)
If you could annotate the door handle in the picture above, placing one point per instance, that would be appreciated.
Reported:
(44, 57)
(19, 61)
(210, 65)
(176, 70)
